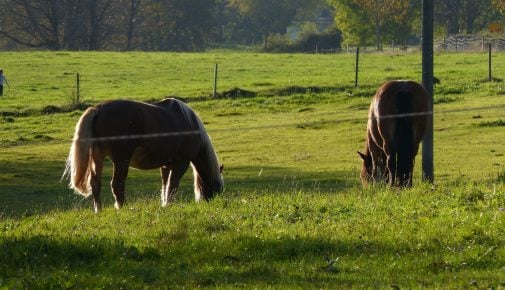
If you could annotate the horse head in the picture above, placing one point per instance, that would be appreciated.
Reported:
(366, 174)
(208, 185)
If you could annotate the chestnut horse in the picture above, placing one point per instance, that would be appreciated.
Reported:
(397, 122)
(166, 135)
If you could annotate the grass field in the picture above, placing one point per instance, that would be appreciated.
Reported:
(293, 214)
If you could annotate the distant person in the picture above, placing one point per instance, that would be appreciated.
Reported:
(2, 79)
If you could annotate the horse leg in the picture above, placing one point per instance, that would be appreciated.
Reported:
(177, 171)
(410, 172)
(405, 175)
(118, 182)
(391, 165)
(165, 171)
(408, 181)
(96, 178)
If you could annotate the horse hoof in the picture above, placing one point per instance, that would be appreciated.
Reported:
(118, 205)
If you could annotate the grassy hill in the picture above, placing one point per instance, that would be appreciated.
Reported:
(293, 214)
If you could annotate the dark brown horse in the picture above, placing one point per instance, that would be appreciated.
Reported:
(167, 135)
(397, 122)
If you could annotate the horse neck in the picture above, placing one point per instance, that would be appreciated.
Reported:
(368, 143)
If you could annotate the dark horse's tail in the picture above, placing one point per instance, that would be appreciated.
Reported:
(404, 136)
(79, 162)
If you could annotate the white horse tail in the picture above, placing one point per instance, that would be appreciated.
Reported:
(79, 162)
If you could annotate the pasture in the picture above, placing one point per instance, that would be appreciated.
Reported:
(293, 213)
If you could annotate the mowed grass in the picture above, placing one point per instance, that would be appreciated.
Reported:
(293, 214)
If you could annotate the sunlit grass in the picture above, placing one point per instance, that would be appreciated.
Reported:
(293, 214)
(375, 237)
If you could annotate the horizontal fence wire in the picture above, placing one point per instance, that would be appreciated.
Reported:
(138, 136)
(285, 125)
(276, 126)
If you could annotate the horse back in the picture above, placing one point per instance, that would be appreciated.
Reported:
(399, 101)
(131, 117)
(151, 135)
(118, 118)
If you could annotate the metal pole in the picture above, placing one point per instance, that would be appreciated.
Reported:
(215, 80)
(357, 68)
(427, 61)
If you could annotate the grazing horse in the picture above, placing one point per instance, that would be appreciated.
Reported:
(167, 135)
(397, 122)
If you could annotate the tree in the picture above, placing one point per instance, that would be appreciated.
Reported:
(32, 23)
(353, 22)
(266, 17)
(178, 25)
(57, 24)
(131, 17)
(97, 12)
(499, 5)
(464, 16)
(360, 19)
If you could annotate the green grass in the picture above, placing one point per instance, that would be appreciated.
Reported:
(450, 236)
(293, 214)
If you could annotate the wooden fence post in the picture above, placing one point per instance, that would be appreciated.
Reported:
(78, 89)
(357, 68)
(215, 80)
(490, 77)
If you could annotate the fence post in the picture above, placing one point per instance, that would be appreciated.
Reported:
(78, 89)
(357, 68)
(427, 64)
(215, 80)
(490, 77)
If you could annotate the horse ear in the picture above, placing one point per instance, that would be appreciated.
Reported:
(221, 168)
(363, 156)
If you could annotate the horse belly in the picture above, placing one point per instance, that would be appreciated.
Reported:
(143, 158)
(157, 155)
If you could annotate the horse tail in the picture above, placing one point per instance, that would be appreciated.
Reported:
(79, 162)
(404, 135)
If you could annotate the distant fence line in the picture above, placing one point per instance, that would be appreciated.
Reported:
(453, 43)
(464, 43)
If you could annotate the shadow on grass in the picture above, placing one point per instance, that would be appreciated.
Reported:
(91, 262)
(40, 262)
(29, 187)
(276, 178)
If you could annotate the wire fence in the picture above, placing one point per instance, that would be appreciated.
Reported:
(285, 125)
(468, 43)
(345, 174)
(453, 43)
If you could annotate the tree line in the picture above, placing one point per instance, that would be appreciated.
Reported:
(367, 22)
(195, 25)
